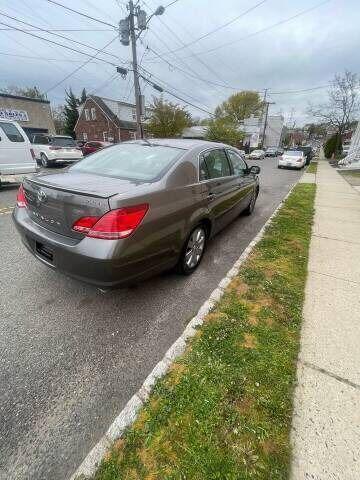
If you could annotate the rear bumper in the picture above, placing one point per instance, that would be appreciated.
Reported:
(286, 164)
(65, 160)
(98, 262)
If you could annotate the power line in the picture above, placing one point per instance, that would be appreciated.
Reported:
(80, 66)
(41, 58)
(284, 92)
(178, 97)
(59, 44)
(196, 76)
(171, 3)
(220, 27)
(89, 17)
(107, 82)
(172, 87)
(64, 29)
(281, 22)
(55, 34)
(210, 69)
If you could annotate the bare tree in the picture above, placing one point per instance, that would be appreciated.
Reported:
(58, 115)
(343, 103)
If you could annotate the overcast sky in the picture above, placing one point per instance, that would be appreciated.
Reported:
(301, 53)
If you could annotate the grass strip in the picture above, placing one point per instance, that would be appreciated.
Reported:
(223, 412)
(312, 168)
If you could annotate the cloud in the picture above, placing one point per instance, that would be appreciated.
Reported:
(303, 53)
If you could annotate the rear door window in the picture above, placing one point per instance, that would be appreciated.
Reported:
(217, 163)
(203, 172)
(238, 163)
(41, 140)
(12, 132)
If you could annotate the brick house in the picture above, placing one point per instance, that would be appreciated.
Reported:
(105, 119)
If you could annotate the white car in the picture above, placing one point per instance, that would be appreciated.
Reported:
(257, 155)
(16, 154)
(292, 159)
(55, 149)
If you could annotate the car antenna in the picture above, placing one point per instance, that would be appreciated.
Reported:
(147, 142)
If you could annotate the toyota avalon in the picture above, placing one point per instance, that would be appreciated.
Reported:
(134, 209)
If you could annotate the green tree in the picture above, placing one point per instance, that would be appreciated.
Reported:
(223, 130)
(333, 146)
(239, 106)
(71, 113)
(30, 92)
(83, 96)
(167, 119)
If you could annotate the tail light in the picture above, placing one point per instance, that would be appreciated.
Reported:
(54, 148)
(32, 153)
(113, 225)
(21, 201)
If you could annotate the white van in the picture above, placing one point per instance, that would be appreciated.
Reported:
(16, 156)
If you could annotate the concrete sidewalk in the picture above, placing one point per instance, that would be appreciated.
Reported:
(326, 423)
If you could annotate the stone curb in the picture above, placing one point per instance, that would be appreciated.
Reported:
(129, 413)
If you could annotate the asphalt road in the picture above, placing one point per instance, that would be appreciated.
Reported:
(71, 356)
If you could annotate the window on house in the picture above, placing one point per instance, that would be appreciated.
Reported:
(132, 135)
(87, 116)
(85, 137)
(93, 114)
(133, 114)
(105, 136)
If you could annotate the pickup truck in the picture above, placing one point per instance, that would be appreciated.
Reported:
(55, 149)
(16, 154)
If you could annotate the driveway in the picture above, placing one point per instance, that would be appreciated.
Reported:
(72, 356)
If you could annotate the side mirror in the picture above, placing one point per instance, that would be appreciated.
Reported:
(255, 170)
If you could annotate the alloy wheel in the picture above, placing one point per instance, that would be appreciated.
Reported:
(195, 248)
(44, 161)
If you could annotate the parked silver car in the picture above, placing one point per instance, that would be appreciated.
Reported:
(134, 209)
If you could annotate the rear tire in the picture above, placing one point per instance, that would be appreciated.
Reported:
(193, 251)
(44, 161)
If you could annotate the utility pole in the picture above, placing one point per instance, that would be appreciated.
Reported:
(128, 32)
(139, 130)
(266, 103)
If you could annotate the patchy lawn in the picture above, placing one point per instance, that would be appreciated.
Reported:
(223, 412)
(312, 168)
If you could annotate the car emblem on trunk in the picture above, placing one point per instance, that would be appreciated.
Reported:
(41, 196)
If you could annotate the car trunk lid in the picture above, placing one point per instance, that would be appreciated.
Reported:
(56, 201)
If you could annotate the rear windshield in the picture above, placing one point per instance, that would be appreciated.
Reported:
(63, 142)
(130, 160)
(293, 153)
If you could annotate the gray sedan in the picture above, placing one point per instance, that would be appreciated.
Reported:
(134, 209)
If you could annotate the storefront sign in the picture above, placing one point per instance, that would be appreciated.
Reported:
(17, 115)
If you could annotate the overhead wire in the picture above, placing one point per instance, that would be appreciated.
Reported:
(179, 98)
(179, 39)
(56, 34)
(60, 44)
(220, 27)
(270, 27)
(152, 75)
(89, 17)
(80, 66)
